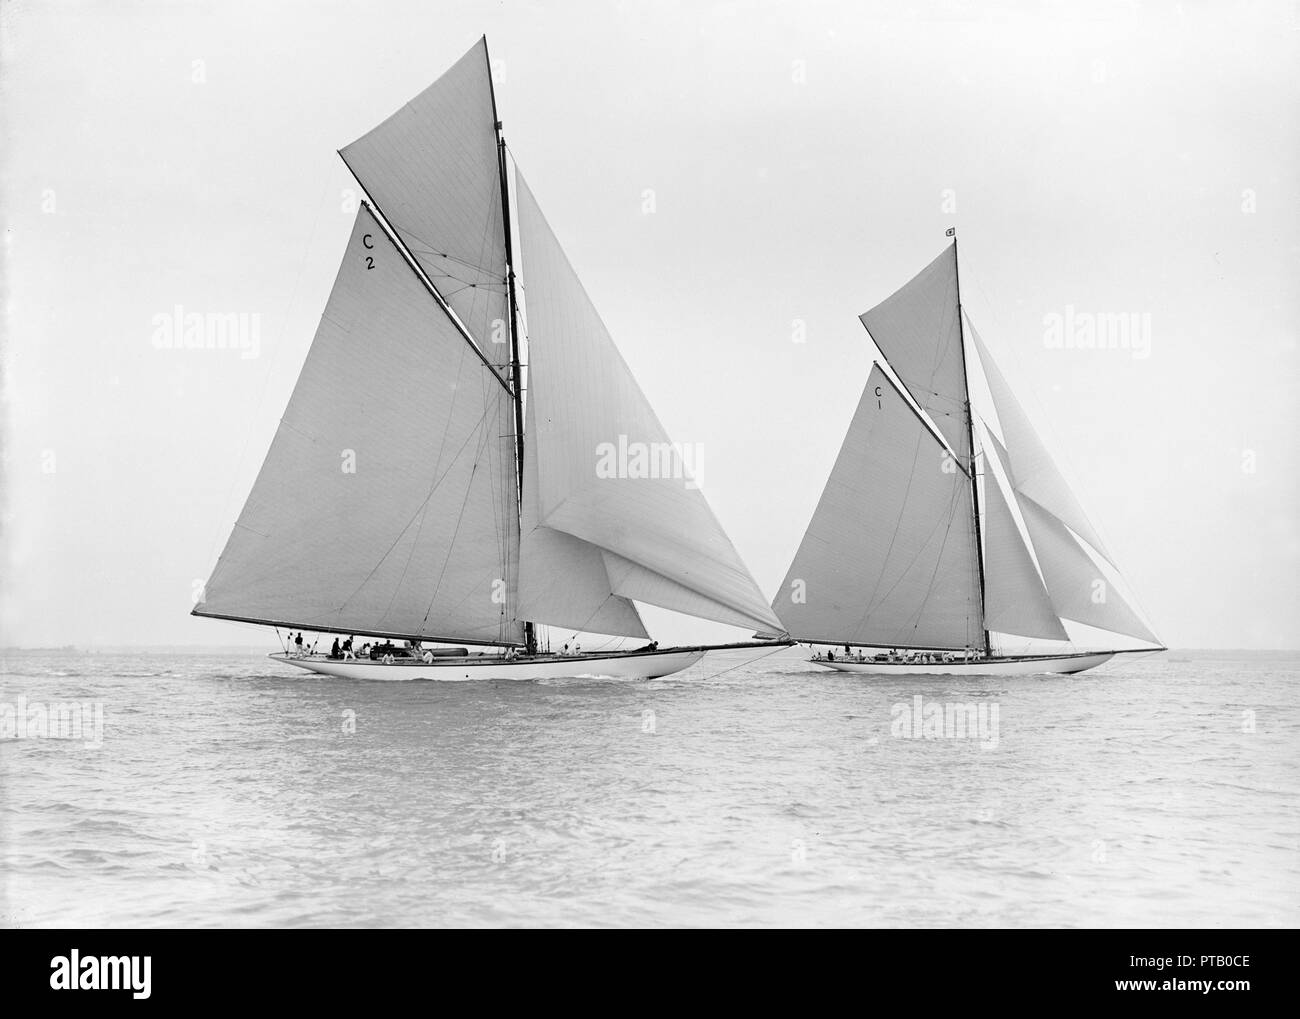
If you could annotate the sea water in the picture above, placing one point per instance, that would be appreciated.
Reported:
(222, 789)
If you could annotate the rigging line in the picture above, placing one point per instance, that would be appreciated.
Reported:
(479, 284)
(422, 247)
(502, 515)
(924, 546)
(751, 661)
(915, 617)
(494, 225)
(603, 601)
(914, 405)
(609, 638)
(952, 519)
(942, 350)
(499, 512)
(465, 599)
(437, 465)
(459, 290)
(873, 604)
(870, 601)
(407, 526)
(414, 264)
(459, 519)
(429, 248)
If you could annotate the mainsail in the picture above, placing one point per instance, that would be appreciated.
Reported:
(659, 542)
(432, 169)
(387, 502)
(889, 556)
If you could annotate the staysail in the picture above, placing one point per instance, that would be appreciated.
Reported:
(388, 501)
(658, 539)
(1079, 591)
(1075, 586)
(564, 582)
(432, 169)
(918, 329)
(1015, 599)
(1031, 470)
(889, 556)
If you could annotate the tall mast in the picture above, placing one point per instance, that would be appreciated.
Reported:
(970, 438)
(516, 375)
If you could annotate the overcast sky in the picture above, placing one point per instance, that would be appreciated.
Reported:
(805, 161)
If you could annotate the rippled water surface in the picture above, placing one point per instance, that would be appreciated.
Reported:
(232, 791)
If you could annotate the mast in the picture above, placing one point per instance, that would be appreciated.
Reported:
(516, 375)
(970, 437)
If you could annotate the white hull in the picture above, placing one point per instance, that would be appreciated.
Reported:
(625, 665)
(1024, 666)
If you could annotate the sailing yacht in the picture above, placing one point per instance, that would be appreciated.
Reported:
(931, 537)
(422, 487)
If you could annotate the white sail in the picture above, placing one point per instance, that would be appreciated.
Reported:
(1030, 468)
(1078, 588)
(1015, 600)
(889, 556)
(918, 329)
(631, 580)
(388, 502)
(562, 579)
(586, 404)
(433, 170)
(564, 584)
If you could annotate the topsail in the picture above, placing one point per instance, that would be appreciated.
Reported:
(432, 170)
(918, 329)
